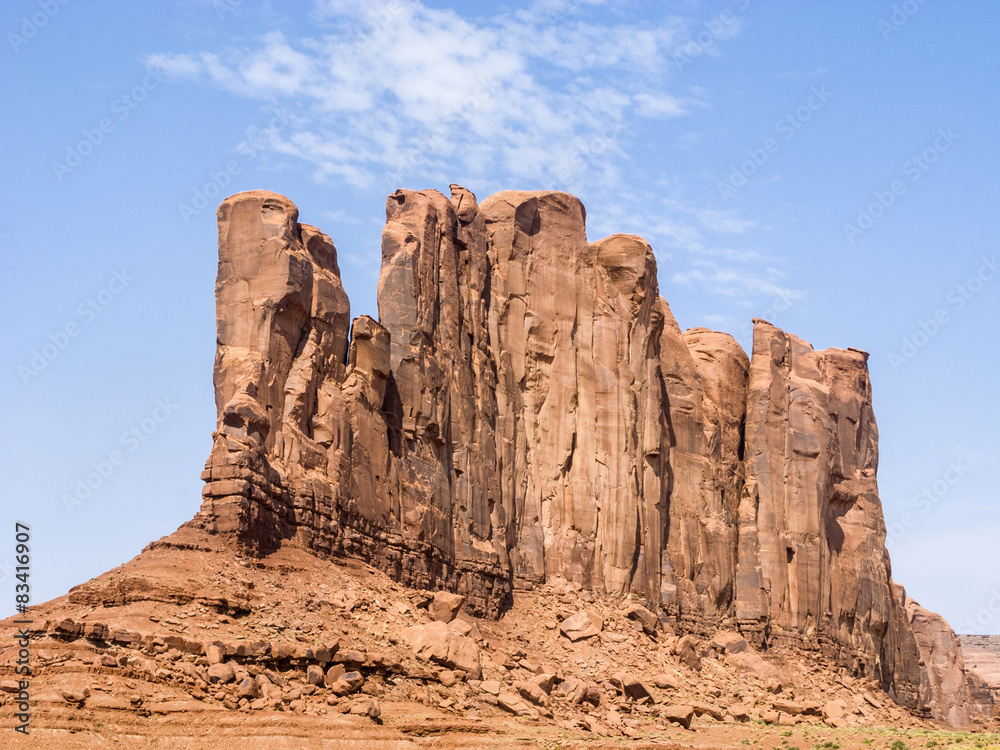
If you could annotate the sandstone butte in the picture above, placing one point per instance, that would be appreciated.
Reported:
(526, 410)
(527, 407)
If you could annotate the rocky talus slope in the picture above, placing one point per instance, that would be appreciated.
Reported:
(526, 420)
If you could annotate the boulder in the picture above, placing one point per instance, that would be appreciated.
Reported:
(681, 715)
(748, 661)
(577, 691)
(76, 697)
(836, 709)
(789, 707)
(529, 690)
(632, 687)
(447, 678)
(463, 654)
(490, 686)
(585, 624)
(435, 642)
(702, 709)
(687, 652)
(444, 606)
(220, 674)
(247, 688)
(665, 681)
(514, 704)
(333, 674)
(314, 674)
(728, 642)
(347, 683)
(350, 658)
(544, 680)
(644, 617)
(215, 652)
(430, 641)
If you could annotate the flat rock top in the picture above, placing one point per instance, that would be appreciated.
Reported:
(982, 656)
(984, 642)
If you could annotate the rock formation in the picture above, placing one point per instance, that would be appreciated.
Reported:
(812, 560)
(981, 654)
(705, 379)
(527, 409)
(947, 690)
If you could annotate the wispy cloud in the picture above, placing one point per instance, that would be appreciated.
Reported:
(729, 281)
(724, 222)
(675, 231)
(662, 105)
(403, 94)
(404, 89)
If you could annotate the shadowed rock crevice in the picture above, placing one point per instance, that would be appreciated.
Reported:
(527, 409)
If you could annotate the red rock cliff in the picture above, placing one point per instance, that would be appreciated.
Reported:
(527, 408)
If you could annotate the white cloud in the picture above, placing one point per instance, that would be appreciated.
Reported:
(688, 277)
(662, 105)
(719, 322)
(341, 217)
(277, 68)
(733, 281)
(176, 66)
(402, 94)
(730, 281)
(389, 93)
(724, 222)
(739, 256)
(676, 232)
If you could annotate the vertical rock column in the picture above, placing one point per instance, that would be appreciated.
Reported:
(282, 320)
(812, 563)
(706, 379)
(630, 321)
(580, 415)
(433, 299)
(528, 408)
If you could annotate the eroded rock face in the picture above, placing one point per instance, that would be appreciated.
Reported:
(575, 328)
(705, 379)
(360, 453)
(283, 320)
(527, 408)
(812, 538)
(948, 691)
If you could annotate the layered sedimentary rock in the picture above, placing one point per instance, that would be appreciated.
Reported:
(527, 408)
(347, 453)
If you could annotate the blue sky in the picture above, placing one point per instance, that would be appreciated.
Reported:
(828, 166)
